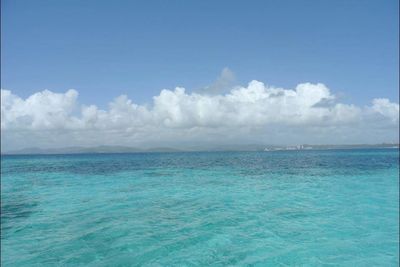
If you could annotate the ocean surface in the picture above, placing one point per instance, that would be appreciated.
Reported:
(283, 208)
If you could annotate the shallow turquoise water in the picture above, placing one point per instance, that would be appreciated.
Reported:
(308, 208)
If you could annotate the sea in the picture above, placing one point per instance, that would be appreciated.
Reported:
(281, 208)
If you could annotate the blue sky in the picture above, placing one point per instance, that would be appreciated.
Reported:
(107, 48)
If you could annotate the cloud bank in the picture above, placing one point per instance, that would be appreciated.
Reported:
(257, 114)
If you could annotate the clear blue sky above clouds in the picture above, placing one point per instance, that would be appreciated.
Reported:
(107, 48)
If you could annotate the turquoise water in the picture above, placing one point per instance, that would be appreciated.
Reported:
(299, 208)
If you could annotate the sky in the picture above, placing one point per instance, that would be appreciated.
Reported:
(116, 68)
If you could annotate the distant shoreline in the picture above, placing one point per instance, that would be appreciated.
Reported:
(129, 150)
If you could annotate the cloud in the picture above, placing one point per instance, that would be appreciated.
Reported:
(223, 83)
(256, 113)
(386, 109)
(43, 110)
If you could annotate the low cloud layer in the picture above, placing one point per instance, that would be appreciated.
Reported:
(256, 114)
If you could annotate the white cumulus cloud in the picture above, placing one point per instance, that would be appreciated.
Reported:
(257, 113)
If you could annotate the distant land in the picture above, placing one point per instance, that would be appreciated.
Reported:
(125, 149)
